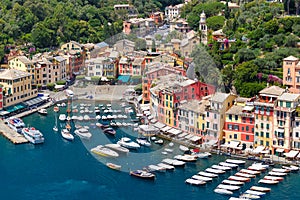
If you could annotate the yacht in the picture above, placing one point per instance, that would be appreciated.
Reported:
(65, 133)
(33, 135)
(143, 141)
(117, 147)
(103, 151)
(43, 111)
(128, 143)
(16, 124)
(110, 131)
(83, 133)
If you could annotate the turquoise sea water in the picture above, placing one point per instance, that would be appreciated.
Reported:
(59, 169)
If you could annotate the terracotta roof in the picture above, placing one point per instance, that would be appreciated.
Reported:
(291, 58)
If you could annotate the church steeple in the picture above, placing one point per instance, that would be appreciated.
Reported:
(203, 28)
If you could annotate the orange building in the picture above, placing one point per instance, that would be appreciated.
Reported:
(291, 73)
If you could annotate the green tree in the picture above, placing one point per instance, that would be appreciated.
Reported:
(215, 22)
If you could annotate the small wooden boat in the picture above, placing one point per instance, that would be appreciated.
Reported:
(244, 175)
(42, 111)
(206, 174)
(249, 196)
(195, 182)
(113, 166)
(291, 168)
(277, 174)
(202, 178)
(270, 182)
(142, 174)
(281, 170)
(225, 164)
(168, 167)
(238, 178)
(223, 191)
(220, 167)
(230, 182)
(215, 171)
(260, 189)
(255, 192)
(275, 178)
(229, 187)
(183, 148)
(247, 171)
(237, 162)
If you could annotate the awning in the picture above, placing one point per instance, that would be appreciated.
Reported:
(124, 78)
(233, 144)
(189, 136)
(279, 150)
(165, 129)
(211, 142)
(195, 138)
(3, 112)
(34, 101)
(280, 130)
(174, 131)
(159, 125)
(59, 86)
(258, 149)
(182, 135)
(291, 154)
(14, 107)
(248, 108)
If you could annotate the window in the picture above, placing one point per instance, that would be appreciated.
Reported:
(229, 126)
(268, 126)
(235, 136)
(267, 143)
(261, 134)
(236, 117)
(247, 128)
(267, 135)
(207, 124)
(261, 125)
(230, 117)
(215, 116)
(288, 104)
(247, 137)
(262, 142)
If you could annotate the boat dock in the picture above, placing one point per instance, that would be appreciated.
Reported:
(12, 135)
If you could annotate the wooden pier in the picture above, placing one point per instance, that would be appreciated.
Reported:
(12, 135)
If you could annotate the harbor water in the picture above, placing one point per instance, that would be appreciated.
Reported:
(59, 169)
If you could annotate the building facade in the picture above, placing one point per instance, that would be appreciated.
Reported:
(291, 73)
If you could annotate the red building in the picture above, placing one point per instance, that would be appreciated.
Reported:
(1, 97)
(76, 64)
(158, 17)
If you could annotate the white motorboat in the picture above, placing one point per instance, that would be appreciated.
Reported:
(257, 168)
(186, 158)
(143, 141)
(247, 171)
(164, 153)
(261, 165)
(160, 141)
(33, 135)
(255, 192)
(156, 168)
(117, 147)
(229, 187)
(176, 163)
(80, 118)
(223, 191)
(103, 151)
(277, 174)
(291, 167)
(98, 117)
(83, 133)
(275, 178)
(169, 150)
(249, 196)
(104, 117)
(281, 170)
(166, 166)
(230, 182)
(183, 148)
(260, 189)
(202, 178)
(220, 167)
(65, 133)
(245, 175)
(113, 166)
(237, 162)
(225, 164)
(238, 178)
(42, 111)
(128, 143)
(207, 174)
(62, 117)
(270, 182)
(195, 182)
(215, 171)
(202, 154)
(16, 124)
(235, 198)
(86, 117)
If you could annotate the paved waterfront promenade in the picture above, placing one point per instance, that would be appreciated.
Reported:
(12, 135)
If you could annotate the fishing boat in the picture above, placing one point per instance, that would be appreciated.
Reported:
(16, 124)
(42, 111)
(128, 143)
(255, 192)
(230, 182)
(166, 166)
(113, 166)
(186, 158)
(202, 178)
(33, 135)
(229, 187)
(62, 117)
(238, 178)
(247, 171)
(103, 151)
(275, 178)
(237, 162)
(143, 141)
(117, 147)
(231, 165)
(194, 182)
(83, 133)
(142, 174)
(260, 189)
(207, 174)
(215, 171)
(109, 131)
(270, 182)
(223, 191)
(245, 175)
(220, 167)
(176, 163)
(249, 196)
(65, 133)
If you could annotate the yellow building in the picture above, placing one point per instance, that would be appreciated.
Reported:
(22, 63)
(17, 86)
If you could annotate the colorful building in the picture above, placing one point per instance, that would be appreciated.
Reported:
(264, 114)
(1, 97)
(284, 117)
(291, 73)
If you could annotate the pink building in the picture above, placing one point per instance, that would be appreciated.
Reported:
(291, 73)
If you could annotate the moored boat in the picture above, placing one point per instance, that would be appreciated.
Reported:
(16, 124)
(249, 196)
(195, 182)
(270, 182)
(231, 182)
(275, 178)
(202, 178)
(292, 168)
(260, 189)
(83, 133)
(42, 111)
(183, 148)
(220, 167)
(247, 171)
(237, 162)
(245, 175)
(103, 151)
(168, 167)
(207, 174)
(255, 192)
(65, 133)
(223, 191)
(238, 178)
(236, 198)
(142, 174)
(277, 174)
(176, 163)
(62, 117)
(143, 141)
(33, 135)
(257, 168)
(128, 143)
(215, 171)
(156, 168)
(280, 170)
(225, 164)
(117, 147)
(186, 158)
(113, 166)
(109, 131)
(229, 187)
